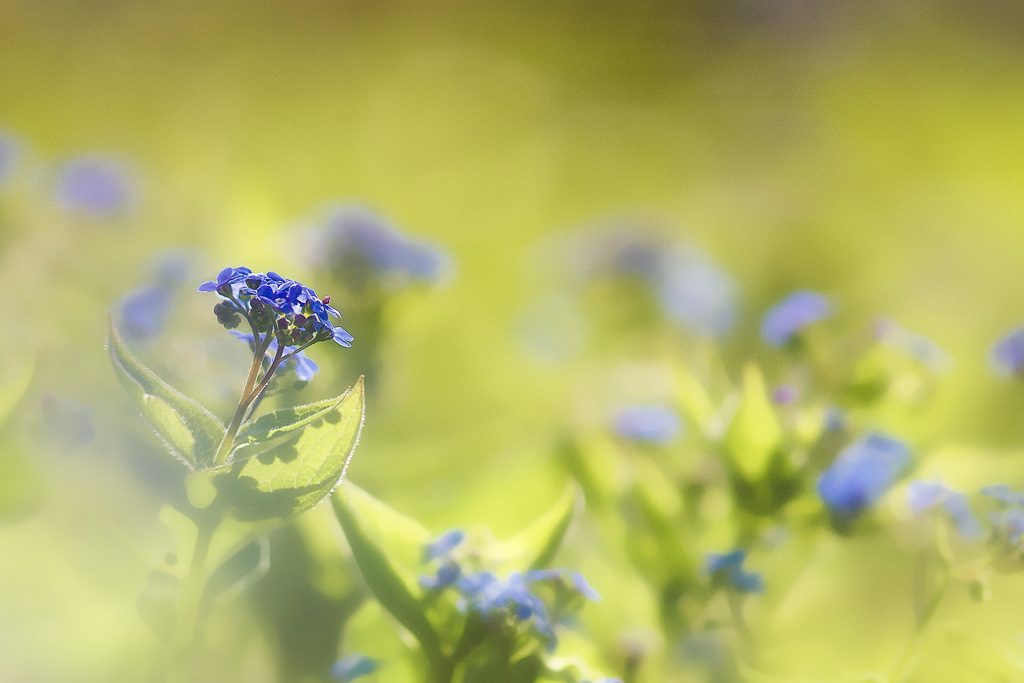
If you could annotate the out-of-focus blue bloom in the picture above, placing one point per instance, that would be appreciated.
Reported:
(729, 566)
(695, 292)
(351, 667)
(1003, 493)
(653, 424)
(93, 186)
(305, 368)
(791, 315)
(916, 346)
(353, 232)
(443, 544)
(785, 394)
(1007, 356)
(835, 419)
(447, 574)
(145, 311)
(566, 577)
(861, 473)
(926, 495)
(10, 152)
(67, 422)
(1010, 523)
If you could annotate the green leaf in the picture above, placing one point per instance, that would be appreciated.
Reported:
(238, 571)
(285, 420)
(535, 546)
(190, 431)
(754, 434)
(292, 477)
(388, 548)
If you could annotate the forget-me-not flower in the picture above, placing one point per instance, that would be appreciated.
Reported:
(651, 424)
(927, 495)
(10, 152)
(786, 319)
(351, 667)
(1007, 356)
(696, 292)
(305, 368)
(861, 474)
(728, 568)
(443, 545)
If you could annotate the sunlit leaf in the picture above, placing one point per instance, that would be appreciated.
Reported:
(285, 420)
(754, 434)
(297, 474)
(387, 547)
(190, 431)
(535, 546)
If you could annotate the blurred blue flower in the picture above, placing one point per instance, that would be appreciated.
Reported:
(93, 186)
(728, 567)
(351, 667)
(696, 292)
(1003, 493)
(443, 545)
(355, 233)
(652, 424)
(916, 346)
(861, 474)
(447, 574)
(66, 422)
(835, 419)
(1007, 356)
(566, 577)
(926, 495)
(791, 315)
(10, 152)
(305, 368)
(785, 394)
(145, 311)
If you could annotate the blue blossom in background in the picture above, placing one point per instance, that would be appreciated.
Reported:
(443, 545)
(861, 474)
(305, 368)
(1007, 356)
(651, 424)
(447, 574)
(787, 318)
(695, 292)
(1004, 493)
(728, 569)
(785, 394)
(351, 667)
(923, 496)
(66, 422)
(353, 233)
(10, 153)
(1009, 522)
(916, 346)
(96, 187)
(145, 311)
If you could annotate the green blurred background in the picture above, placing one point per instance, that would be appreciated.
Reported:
(869, 150)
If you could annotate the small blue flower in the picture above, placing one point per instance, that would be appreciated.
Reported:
(652, 424)
(10, 151)
(785, 394)
(443, 545)
(694, 291)
(305, 368)
(791, 315)
(926, 495)
(351, 667)
(861, 473)
(1007, 356)
(447, 574)
(95, 187)
(729, 567)
(1003, 493)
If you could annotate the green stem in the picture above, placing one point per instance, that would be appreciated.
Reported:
(184, 638)
(243, 403)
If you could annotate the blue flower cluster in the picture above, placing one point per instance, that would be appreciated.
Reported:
(651, 424)
(861, 474)
(289, 310)
(923, 496)
(790, 316)
(1009, 523)
(95, 187)
(727, 570)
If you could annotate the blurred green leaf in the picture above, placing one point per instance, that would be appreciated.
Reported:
(157, 604)
(387, 547)
(535, 546)
(241, 569)
(754, 434)
(296, 475)
(285, 420)
(190, 431)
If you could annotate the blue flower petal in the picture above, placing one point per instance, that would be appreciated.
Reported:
(791, 315)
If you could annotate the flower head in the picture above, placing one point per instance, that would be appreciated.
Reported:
(861, 473)
(1007, 356)
(923, 496)
(287, 309)
(727, 569)
(785, 319)
(443, 545)
(652, 424)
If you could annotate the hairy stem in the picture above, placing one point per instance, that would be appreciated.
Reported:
(246, 398)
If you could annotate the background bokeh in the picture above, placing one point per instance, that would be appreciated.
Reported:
(867, 150)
